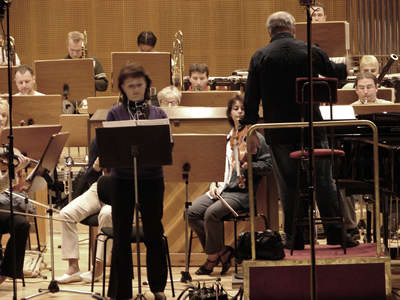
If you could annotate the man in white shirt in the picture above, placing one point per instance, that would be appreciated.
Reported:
(25, 81)
(366, 89)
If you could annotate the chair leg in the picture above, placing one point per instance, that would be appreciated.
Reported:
(23, 280)
(169, 264)
(94, 261)
(37, 233)
(90, 247)
(104, 265)
(235, 241)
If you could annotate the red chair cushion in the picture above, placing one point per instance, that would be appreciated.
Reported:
(321, 153)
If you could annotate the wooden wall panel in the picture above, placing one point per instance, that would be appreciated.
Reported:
(222, 33)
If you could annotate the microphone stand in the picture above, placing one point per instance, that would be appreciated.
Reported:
(53, 285)
(185, 275)
(311, 189)
(6, 4)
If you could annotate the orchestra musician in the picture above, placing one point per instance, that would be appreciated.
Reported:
(317, 12)
(198, 77)
(134, 85)
(3, 52)
(25, 81)
(77, 210)
(169, 96)
(366, 89)
(368, 64)
(21, 224)
(272, 74)
(75, 40)
(146, 41)
(206, 214)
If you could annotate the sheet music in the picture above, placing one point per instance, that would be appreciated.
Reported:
(134, 123)
(129, 123)
(339, 112)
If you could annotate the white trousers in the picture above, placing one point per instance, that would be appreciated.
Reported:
(80, 208)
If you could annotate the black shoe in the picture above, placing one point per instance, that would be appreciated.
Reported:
(227, 263)
(207, 267)
(298, 244)
(349, 241)
(354, 232)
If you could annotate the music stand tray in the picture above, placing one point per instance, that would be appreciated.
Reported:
(151, 139)
(78, 74)
(156, 64)
(49, 159)
(204, 152)
(4, 79)
(31, 140)
(41, 109)
(332, 36)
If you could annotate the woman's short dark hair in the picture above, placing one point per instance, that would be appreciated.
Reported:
(133, 71)
(231, 103)
(147, 38)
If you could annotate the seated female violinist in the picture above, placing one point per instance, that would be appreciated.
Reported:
(207, 212)
(21, 225)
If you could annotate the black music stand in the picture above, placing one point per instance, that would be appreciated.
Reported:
(191, 151)
(133, 146)
(38, 177)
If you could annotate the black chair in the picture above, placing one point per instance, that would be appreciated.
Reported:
(109, 234)
(91, 221)
(1, 259)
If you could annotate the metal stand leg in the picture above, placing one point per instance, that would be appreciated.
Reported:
(185, 274)
(53, 285)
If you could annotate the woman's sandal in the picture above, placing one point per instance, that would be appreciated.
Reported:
(203, 270)
(226, 265)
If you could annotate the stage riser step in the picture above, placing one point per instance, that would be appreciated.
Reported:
(356, 278)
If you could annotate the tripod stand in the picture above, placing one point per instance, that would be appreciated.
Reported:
(40, 173)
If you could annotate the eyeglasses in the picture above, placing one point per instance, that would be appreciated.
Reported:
(165, 103)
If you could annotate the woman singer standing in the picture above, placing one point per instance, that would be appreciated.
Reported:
(134, 85)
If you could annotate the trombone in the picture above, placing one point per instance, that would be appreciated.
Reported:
(178, 60)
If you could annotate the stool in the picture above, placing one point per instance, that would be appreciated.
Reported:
(304, 193)
(109, 234)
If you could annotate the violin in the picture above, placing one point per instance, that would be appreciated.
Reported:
(4, 156)
(239, 148)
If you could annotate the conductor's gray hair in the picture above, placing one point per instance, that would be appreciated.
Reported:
(279, 22)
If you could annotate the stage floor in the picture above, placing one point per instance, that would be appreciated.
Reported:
(329, 251)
